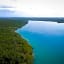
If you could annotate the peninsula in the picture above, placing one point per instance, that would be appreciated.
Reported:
(13, 48)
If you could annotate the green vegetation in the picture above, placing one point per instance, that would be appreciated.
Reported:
(13, 48)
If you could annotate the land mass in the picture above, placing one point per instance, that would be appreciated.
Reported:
(46, 19)
(13, 48)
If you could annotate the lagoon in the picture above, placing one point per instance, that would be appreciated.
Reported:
(47, 40)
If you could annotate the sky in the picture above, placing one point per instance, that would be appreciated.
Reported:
(34, 8)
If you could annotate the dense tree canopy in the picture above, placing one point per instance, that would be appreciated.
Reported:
(13, 48)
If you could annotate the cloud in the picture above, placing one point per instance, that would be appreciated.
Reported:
(7, 12)
(41, 8)
(7, 3)
(6, 7)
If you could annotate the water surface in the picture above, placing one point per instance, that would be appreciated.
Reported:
(47, 40)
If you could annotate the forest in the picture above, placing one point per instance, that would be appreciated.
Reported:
(13, 48)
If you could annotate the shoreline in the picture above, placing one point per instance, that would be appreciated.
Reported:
(14, 46)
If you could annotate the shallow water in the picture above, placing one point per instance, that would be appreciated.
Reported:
(47, 40)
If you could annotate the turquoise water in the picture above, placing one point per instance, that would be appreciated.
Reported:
(47, 40)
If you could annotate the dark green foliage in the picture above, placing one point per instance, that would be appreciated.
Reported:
(13, 48)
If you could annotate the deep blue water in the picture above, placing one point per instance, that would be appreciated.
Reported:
(47, 40)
